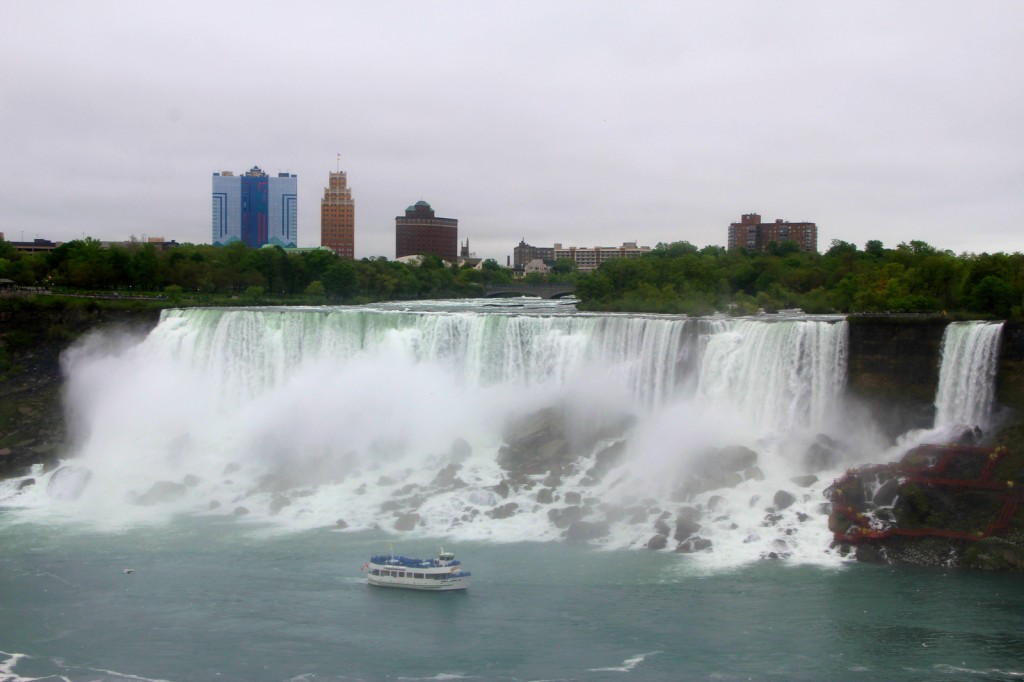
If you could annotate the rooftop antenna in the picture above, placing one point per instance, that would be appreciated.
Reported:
(338, 169)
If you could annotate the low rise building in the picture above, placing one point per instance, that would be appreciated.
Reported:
(590, 258)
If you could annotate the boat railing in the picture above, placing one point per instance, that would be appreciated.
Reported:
(409, 562)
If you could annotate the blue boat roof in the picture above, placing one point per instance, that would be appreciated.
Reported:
(409, 562)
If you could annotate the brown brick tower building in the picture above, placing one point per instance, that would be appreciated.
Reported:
(750, 233)
(419, 233)
(338, 217)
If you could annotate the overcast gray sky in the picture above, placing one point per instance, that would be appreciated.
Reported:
(585, 123)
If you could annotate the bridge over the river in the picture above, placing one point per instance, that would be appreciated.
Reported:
(539, 290)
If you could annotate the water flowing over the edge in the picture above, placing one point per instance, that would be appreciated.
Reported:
(399, 419)
(970, 359)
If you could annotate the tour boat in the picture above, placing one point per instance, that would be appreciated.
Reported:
(443, 573)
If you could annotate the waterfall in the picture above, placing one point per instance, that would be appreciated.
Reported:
(782, 376)
(970, 360)
(403, 417)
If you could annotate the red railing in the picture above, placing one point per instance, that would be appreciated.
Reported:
(860, 528)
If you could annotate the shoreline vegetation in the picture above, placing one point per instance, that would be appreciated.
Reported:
(675, 278)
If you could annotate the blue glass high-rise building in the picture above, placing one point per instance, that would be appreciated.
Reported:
(255, 209)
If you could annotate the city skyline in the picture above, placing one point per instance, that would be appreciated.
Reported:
(585, 123)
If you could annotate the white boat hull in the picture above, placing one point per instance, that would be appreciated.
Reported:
(430, 585)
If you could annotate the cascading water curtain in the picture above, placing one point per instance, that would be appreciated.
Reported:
(970, 360)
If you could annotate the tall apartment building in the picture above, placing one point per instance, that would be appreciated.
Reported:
(420, 233)
(524, 253)
(255, 209)
(750, 233)
(589, 258)
(338, 216)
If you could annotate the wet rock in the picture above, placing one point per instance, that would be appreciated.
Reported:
(460, 451)
(504, 511)
(545, 496)
(566, 516)
(161, 492)
(214, 504)
(636, 514)
(612, 514)
(869, 554)
(886, 494)
(822, 455)
(715, 469)
(585, 531)
(686, 523)
(240, 511)
(407, 521)
(407, 489)
(694, 544)
(341, 524)
(190, 481)
(716, 503)
(446, 477)
(735, 458)
(657, 542)
(68, 482)
(783, 500)
(606, 460)
(753, 474)
(573, 498)
(26, 483)
(553, 480)
(662, 527)
(805, 481)
(535, 444)
(502, 489)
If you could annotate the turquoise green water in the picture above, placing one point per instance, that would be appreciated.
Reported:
(222, 601)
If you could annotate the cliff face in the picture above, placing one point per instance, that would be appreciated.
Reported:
(32, 428)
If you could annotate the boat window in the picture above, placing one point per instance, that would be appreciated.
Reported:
(417, 575)
(375, 571)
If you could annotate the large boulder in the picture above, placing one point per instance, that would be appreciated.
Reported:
(504, 511)
(783, 500)
(566, 516)
(460, 451)
(585, 531)
(717, 468)
(68, 482)
(606, 460)
(161, 492)
(535, 444)
(822, 455)
(407, 521)
(687, 523)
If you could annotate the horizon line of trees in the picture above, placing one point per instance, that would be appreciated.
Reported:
(675, 277)
(236, 269)
(913, 277)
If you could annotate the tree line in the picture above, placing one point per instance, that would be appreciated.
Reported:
(240, 270)
(913, 277)
(673, 278)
